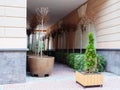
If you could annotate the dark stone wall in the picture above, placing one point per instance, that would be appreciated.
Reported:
(113, 60)
(12, 67)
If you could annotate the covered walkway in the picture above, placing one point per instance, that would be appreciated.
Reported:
(62, 78)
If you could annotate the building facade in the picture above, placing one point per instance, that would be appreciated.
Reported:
(13, 41)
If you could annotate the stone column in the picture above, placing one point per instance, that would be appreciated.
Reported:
(13, 41)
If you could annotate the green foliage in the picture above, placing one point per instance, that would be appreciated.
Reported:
(91, 55)
(70, 59)
(77, 62)
(101, 63)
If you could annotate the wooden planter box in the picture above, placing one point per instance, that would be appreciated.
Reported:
(89, 80)
(40, 66)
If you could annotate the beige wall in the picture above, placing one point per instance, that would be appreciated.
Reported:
(107, 17)
(13, 24)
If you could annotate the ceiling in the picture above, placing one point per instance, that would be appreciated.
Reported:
(57, 8)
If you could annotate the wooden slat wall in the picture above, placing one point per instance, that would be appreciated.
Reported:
(71, 20)
(107, 20)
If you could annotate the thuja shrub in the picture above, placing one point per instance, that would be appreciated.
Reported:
(71, 59)
(76, 61)
(101, 63)
(91, 56)
(79, 62)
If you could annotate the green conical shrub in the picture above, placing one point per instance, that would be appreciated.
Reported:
(91, 56)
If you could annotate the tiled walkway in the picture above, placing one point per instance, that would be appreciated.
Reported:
(62, 78)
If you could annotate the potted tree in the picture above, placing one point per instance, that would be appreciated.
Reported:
(40, 65)
(90, 76)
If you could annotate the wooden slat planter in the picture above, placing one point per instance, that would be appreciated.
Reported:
(40, 66)
(89, 80)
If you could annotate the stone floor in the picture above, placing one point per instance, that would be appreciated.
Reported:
(62, 78)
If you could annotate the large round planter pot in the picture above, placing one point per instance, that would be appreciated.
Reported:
(40, 66)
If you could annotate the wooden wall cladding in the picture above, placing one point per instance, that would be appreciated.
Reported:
(71, 19)
(69, 25)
